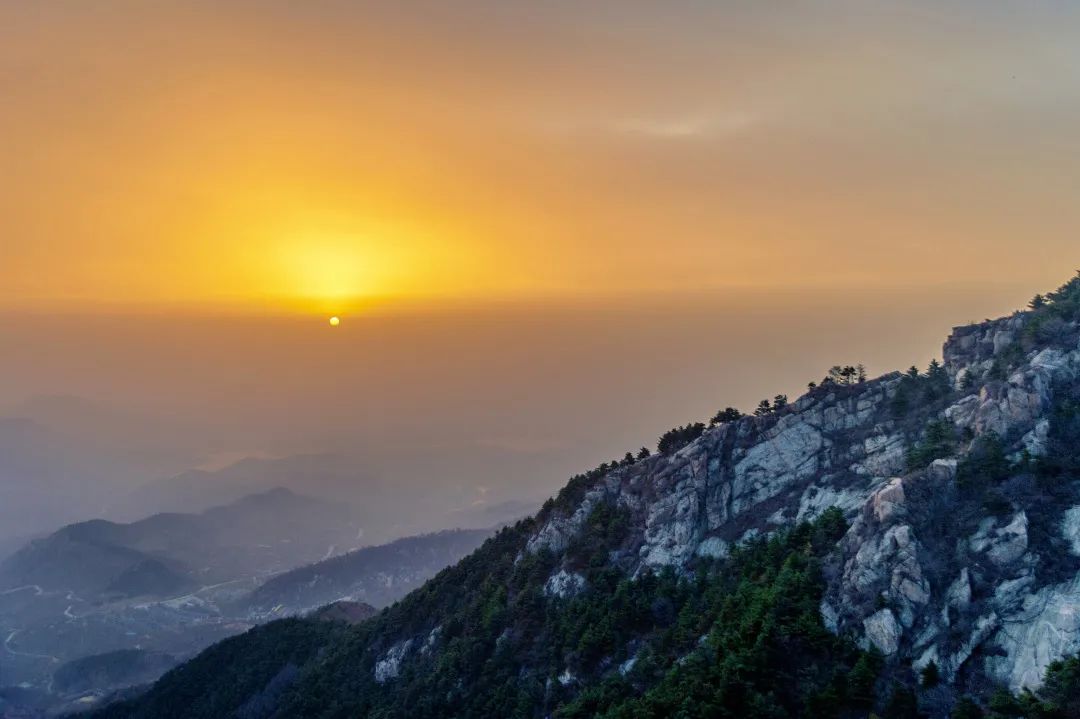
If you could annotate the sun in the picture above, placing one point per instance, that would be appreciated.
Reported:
(335, 321)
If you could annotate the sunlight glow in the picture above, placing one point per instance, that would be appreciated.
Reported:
(329, 270)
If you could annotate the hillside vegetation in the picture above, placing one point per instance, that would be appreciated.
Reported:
(906, 545)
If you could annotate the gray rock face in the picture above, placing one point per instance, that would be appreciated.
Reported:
(1020, 403)
(789, 452)
(1044, 628)
(972, 349)
(1002, 545)
(958, 595)
(883, 561)
(908, 579)
(828, 449)
(389, 665)
(1015, 628)
(1070, 529)
(882, 631)
(564, 584)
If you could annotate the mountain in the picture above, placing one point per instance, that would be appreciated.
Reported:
(903, 544)
(112, 670)
(99, 607)
(197, 490)
(63, 458)
(386, 505)
(167, 554)
(376, 575)
(345, 611)
(158, 585)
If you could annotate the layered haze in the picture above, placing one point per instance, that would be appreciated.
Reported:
(548, 230)
(422, 419)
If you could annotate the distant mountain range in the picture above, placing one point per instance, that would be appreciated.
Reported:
(98, 606)
(166, 554)
(196, 490)
(385, 506)
(374, 575)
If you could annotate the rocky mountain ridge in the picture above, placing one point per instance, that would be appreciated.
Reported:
(875, 545)
(850, 447)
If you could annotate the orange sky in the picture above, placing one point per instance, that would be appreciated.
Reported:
(321, 154)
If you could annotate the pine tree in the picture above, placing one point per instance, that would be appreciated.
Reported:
(862, 678)
(728, 414)
(902, 704)
(966, 709)
(930, 675)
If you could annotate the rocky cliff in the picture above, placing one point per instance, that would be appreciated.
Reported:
(978, 575)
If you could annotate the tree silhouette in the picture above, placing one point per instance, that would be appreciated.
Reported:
(728, 414)
(679, 437)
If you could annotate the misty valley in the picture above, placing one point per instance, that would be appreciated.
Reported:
(100, 606)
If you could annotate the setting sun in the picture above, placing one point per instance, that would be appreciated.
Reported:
(335, 321)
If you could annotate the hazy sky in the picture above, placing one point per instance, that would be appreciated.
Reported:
(552, 229)
(268, 154)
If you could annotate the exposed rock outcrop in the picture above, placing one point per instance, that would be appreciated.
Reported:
(389, 665)
(924, 573)
(830, 448)
(564, 584)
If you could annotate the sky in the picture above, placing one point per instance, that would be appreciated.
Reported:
(551, 229)
(322, 155)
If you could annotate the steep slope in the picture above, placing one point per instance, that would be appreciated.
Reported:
(345, 611)
(118, 669)
(375, 575)
(644, 589)
(485, 639)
